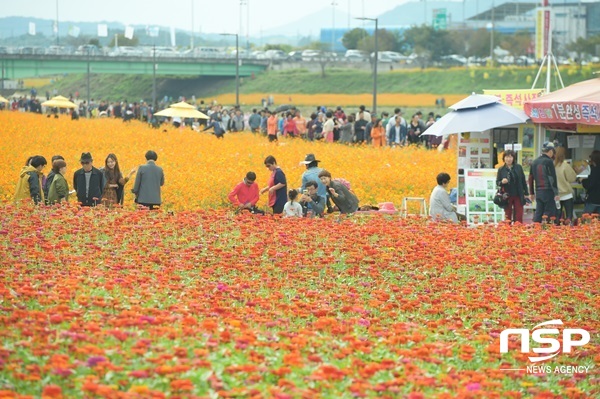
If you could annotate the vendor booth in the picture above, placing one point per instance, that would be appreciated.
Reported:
(570, 118)
(485, 126)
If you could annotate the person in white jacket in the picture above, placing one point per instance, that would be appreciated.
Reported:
(440, 207)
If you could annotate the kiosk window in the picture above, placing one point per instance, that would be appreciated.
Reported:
(505, 136)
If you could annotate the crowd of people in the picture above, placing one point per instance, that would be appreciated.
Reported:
(549, 184)
(329, 125)
(318, 194)
(91, 186)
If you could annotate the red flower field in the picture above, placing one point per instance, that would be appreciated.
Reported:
(98, 303)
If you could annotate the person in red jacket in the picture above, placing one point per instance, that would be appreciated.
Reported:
(244, 196)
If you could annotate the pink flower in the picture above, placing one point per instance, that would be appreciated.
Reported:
(473, 386)
(94, 360)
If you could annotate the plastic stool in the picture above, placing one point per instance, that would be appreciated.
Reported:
(422, 206)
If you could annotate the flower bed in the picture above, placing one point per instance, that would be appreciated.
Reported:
(137, 304)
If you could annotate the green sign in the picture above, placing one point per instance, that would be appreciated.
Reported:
(439, 19)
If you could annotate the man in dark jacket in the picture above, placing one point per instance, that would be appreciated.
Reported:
(543, 185)
(88, 182)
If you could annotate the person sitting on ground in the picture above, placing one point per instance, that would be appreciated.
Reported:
(313, 204)
(341, 196)
(440, 207)
(244, 196)
(292, 208)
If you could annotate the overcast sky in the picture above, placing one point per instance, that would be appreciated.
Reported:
(209, 16)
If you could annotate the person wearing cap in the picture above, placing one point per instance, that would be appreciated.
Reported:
(312, 174)
(148, 181)
(543, 185)
(244, 195)
(88, 182)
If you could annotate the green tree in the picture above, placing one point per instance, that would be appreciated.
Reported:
(352, 38)
(95, 42)
(427, 43)
(585, 47)
(386, 41)
(286, 48)
(123, 41)
(516, 44)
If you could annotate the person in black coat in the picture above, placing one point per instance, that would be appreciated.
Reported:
(511, 178)
(592, 185)
(88, 182)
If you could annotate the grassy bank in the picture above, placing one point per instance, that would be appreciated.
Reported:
(294, 82)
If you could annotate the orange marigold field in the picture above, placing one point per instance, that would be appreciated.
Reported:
(201, 170)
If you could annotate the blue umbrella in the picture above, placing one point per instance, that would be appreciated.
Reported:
(477, 119)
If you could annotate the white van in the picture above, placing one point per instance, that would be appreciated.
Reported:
(275, 55)
(208, 52)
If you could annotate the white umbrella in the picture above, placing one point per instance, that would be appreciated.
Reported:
(474, 101)
(478, 119)
(182, 110)
(59, 102)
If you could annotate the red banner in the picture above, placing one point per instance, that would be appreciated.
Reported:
(564, 112)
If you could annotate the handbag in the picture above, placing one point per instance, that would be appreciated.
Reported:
(501, 198)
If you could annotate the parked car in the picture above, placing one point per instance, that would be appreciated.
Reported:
(275, 55)
(454, 60)
(525, 61)
(245, 54)
(355, 56)
(259, 55)
(208, 52)
(55, 50)
(393, 56)
(295, 56)
(164, 52)
(92, 49)
(311, 55)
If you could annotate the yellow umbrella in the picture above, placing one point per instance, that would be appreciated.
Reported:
(59, 102)
(3, 100)
(182, 110)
